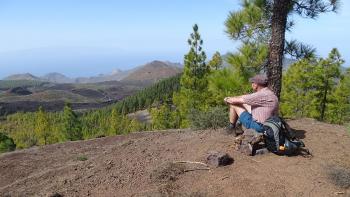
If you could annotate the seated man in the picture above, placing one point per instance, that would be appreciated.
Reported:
(253, 109)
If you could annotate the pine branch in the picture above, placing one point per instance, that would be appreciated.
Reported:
(312, 8)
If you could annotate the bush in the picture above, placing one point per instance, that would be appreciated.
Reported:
(213, 118)
(6, 143)
(82, 158)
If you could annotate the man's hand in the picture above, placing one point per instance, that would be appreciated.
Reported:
(229, 100)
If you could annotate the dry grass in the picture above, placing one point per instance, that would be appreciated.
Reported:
(340, 176)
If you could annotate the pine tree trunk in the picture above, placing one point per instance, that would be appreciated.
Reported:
(276, 46)
(324, 100)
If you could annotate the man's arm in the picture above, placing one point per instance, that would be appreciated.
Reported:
(234, 100)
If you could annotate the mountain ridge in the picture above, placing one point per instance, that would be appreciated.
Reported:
(170, 69)
(24, 76)
(153, 71)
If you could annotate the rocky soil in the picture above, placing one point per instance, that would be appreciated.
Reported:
(149, 164)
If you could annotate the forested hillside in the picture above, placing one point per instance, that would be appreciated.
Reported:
(40, 128)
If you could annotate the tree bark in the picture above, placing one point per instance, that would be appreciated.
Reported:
(324, 101)
(276, 45)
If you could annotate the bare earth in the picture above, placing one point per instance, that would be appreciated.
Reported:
(142, 164)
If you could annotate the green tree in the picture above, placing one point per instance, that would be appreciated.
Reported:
(193, 92)
(280, 10)
(162, 118)
(310, 86)
(298, 91)
(339, 109)
(226, 82)
(20, 127)
(251, 26)
(134, 126)
(216, 61)
(71, 124)
(259, 18)
(42, 126)
(195, 67)
(327, 74)
(249, 59)
(114, 123)
(6, 143)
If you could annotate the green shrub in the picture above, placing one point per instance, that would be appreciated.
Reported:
(82, 158)
(213, 118)
(6, 143)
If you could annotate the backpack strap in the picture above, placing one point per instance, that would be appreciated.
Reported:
(287, 130)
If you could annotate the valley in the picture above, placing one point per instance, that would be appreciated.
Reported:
(26, 92)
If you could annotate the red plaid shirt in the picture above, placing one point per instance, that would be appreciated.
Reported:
(264, 104)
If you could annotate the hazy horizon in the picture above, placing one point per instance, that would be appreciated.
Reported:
(88, 60)
(86, 38)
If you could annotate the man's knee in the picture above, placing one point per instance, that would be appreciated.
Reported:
(248, 108)
(239, 109)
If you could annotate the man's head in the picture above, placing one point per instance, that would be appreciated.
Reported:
(258, 82)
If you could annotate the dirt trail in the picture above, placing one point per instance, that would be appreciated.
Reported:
(132, 165)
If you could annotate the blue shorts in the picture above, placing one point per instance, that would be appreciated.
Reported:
(248, 122)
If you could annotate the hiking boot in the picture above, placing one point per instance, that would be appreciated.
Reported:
(234, 129)
(231, 129)
(239, 129)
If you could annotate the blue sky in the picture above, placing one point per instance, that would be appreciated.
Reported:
(88, 37)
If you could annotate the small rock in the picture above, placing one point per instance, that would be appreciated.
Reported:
(261, 151)
(218, 159)
(56, 195)
(109, 165)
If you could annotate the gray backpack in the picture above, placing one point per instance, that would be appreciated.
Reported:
(280, 138)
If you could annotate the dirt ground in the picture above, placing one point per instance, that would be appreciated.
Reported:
(147, 164)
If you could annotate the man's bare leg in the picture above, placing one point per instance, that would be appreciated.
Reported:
(233, 115)
(235, 112)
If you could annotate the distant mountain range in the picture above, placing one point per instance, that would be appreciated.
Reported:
(152, 71)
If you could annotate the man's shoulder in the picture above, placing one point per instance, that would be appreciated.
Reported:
(267, 91)
(261, 94)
